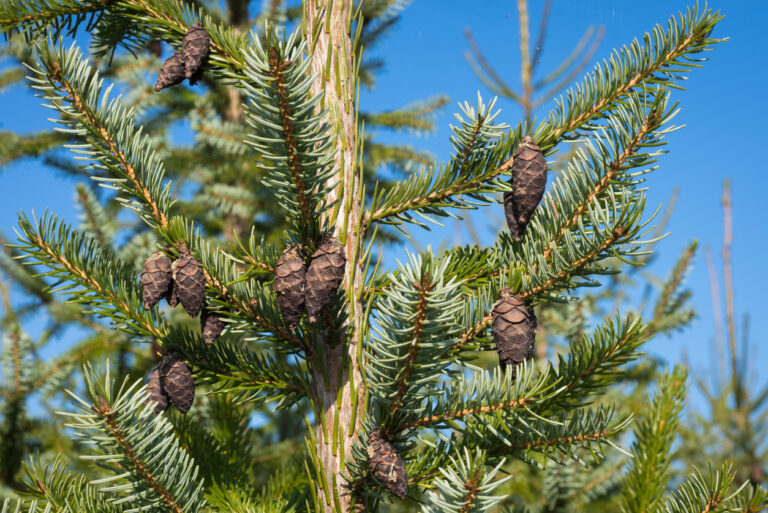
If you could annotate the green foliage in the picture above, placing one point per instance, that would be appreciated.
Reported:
(648, 473)
(149, 467)
(402, 350)
(105, 127)
(287, 129)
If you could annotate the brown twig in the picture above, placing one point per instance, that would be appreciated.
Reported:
(111, 145)
(556, 441)
(472, 487)
(87, 280)
(649, 124)
(424, 288)
(457, 188)
(520, 403)
(276, 70)
(628, 85)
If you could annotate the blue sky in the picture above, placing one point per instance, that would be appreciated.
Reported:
(723, 108)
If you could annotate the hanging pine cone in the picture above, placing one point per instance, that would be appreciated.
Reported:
(195, 47)
(325, 274)
(156, 391)
(511, 215)
(514, 328)
(171, 73)
(177, 382)
(529, 179)
(290, 275)
(386, 464)
(190, 282)
(211, 325)
(172, 296)
(155, 279)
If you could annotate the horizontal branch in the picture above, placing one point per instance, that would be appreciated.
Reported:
(524, 294)
(459, 414)
(537, 444)
(13, 13)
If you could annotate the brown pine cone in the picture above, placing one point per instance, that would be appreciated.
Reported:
(386, 464)
(190, 282)
(155, 279)
(511, 215)
(171, 73)
(156, 391)
(325, 274)
(529, 179)
(211, 325)
(176, 378)
(290, 276)
(514, 330)
(195, 47)
(172, 296)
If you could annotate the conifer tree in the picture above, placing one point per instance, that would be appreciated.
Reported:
(379, 362)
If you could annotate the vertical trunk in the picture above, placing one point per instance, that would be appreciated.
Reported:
(337, 377)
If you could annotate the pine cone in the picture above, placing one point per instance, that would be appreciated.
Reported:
(386, 464)
(155, 279)
(290, 276)
(325, 274)
(511, 215)
(172, 296)
(529, 179)
(211, 325)
(190, 282)
(156, 391)
(195, 47)
(171, 73)
(514, 328)
(177, 382)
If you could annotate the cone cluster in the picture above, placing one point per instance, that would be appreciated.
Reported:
(180, 281)
(188, 63)
(529, 179)
(514, 330)
(386, 464)
(301, 288)
(171, 382)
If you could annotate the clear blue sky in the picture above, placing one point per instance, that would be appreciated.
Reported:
(723, 108)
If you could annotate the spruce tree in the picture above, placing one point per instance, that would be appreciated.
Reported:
(380, 363)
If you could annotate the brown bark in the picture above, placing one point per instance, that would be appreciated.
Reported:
(337, 376)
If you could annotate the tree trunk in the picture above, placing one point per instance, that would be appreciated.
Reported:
(338, 388)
